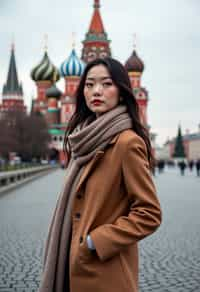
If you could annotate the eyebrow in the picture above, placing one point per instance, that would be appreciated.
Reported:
(101, 78)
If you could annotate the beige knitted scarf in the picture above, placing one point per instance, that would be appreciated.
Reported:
(85, 142)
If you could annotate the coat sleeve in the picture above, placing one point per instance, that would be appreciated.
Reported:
(144, 214)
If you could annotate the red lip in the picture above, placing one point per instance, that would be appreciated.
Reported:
(97, 101)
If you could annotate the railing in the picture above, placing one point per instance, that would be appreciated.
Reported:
(14, 178)
(25, 165)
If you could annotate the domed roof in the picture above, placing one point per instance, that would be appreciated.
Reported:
(53, 91)
(134, 63)
(45, 71)
(73, 66)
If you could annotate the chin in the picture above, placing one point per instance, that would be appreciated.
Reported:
(98, 110)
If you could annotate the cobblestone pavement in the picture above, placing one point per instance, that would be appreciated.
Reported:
(169, 259)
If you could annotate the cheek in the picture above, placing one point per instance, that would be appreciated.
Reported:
(86, 93)
(113, 95)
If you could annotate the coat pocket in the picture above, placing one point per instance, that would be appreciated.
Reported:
(85, 254)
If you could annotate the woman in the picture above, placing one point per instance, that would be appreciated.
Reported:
(109, 201)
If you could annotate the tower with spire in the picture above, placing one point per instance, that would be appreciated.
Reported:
(12, 94)
(44, 74)
(58, 107)
(135, 67)
(53, 94)
(96, 43)
(71, 69)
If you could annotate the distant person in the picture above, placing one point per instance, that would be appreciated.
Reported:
(109, 201)
(191, 164)
(170, 163)
(198, 167)
(161, 165)
(182, 166)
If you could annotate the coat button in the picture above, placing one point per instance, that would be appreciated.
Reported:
(78, 215)
(81, 239)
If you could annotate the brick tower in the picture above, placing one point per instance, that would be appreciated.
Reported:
(135, 67)
(43, 75)
(12, 95)
(96, 43)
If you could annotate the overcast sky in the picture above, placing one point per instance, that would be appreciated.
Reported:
(168, 41)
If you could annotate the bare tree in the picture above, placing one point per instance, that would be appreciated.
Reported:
(26, 135)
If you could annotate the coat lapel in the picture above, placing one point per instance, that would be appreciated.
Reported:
(90, 165)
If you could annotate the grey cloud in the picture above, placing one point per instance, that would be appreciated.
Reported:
(168, 40)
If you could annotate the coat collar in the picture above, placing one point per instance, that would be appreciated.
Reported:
(114, 140)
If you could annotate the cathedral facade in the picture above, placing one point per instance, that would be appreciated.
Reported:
(58, 107)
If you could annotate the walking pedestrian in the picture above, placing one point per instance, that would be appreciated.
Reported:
(191, 164)
(161, 165)
(198, 167)
(109, 200)
(182, 166)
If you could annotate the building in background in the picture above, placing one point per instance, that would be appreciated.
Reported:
(96, 43)
(12, 94)
(191, 143)
(58, 107)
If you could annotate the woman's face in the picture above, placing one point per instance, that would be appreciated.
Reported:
(101, 94)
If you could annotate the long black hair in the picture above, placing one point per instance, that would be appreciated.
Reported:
(121, 79)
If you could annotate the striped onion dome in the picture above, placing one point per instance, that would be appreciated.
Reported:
(45, 71)
(73, 66)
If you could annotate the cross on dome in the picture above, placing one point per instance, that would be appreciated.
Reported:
(134, 41)
(73, 40)
(96, 3)
(45, 42)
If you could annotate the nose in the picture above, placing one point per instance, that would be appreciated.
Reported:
(97, 89)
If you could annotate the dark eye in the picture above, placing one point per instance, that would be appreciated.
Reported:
(88, 84)
(107, 84)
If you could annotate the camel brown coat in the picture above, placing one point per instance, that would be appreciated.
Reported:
(116, 204)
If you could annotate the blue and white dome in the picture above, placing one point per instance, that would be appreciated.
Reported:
(73, 66)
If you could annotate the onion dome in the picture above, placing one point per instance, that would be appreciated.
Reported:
(53, 91)
(134, 63)
(45, 71)
(73, 66)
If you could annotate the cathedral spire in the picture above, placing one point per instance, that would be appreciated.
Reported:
(96, 43)
(12, 86)
(96, 25)
(12, 95)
